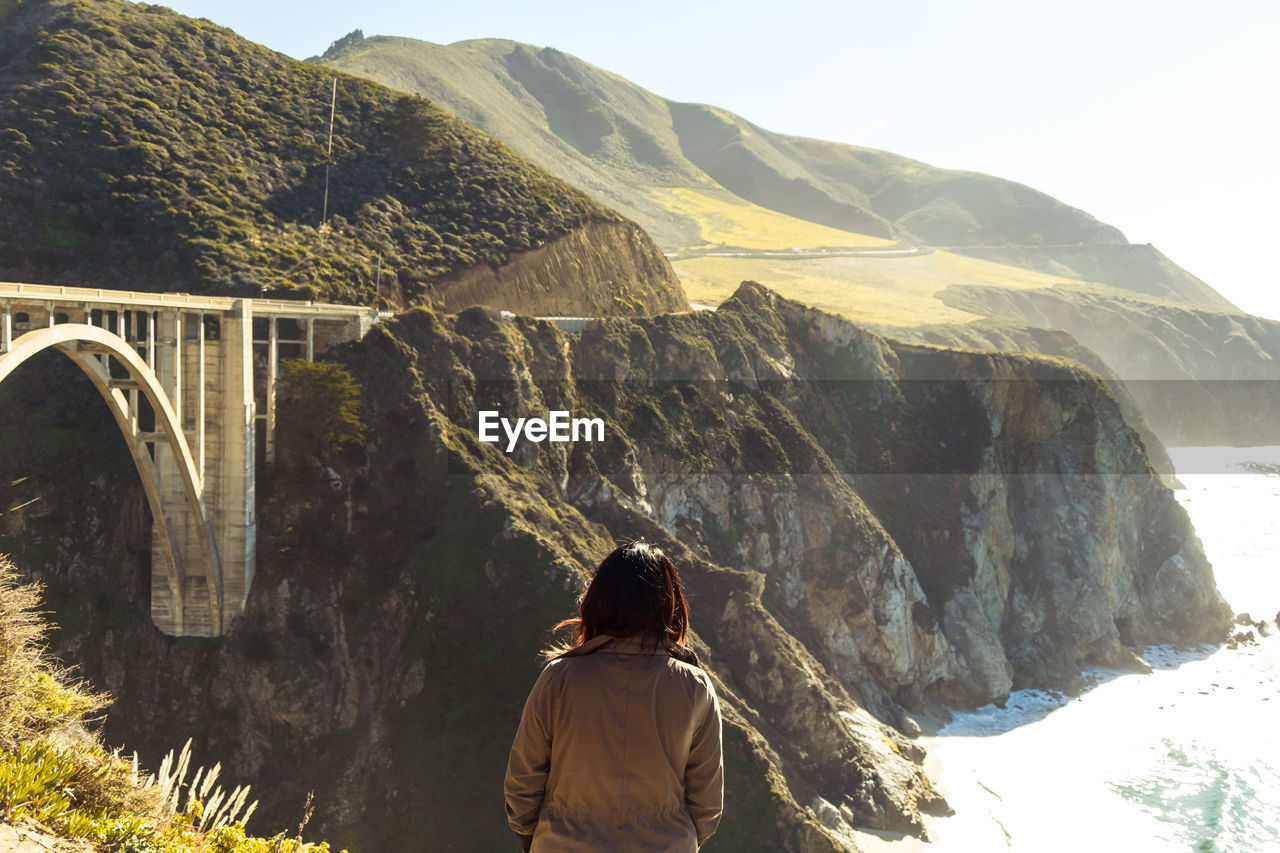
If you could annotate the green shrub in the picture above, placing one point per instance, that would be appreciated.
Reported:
(318, 407)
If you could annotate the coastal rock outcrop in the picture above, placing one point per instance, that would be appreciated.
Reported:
(866, 528)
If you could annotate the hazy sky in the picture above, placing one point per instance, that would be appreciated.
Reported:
(1159, 118)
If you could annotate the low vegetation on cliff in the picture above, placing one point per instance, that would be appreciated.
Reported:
(55, 775)
(145, 150)
(319, 407)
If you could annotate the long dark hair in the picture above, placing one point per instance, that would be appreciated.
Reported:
(636, 590)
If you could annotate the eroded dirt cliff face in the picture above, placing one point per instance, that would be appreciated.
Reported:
(598, 269)
(864, 528)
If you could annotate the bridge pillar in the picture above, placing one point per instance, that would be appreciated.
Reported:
(214, 353)
(230, 469)
(167, 610)
(273, 376)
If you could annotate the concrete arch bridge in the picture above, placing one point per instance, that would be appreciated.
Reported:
(191, 382)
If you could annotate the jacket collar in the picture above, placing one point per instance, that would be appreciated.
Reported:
(636, 644)
(625, 645)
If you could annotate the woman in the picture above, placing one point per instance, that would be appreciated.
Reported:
(619, 744)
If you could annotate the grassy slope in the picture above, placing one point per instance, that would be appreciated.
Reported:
(885, 291)
(606, 134)
(496, 85)
(1141, 268)
(726, 220)
(147, 150)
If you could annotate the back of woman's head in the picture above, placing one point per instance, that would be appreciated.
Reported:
(635, 590)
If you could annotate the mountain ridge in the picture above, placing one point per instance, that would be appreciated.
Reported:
(593, 128)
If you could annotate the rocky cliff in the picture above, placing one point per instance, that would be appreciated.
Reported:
(867, 529)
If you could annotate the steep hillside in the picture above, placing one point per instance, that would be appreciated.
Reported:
(1199, 376)
(867, 530)
(1139, 268)
(148, 151)
(548, 106)
(628, 147)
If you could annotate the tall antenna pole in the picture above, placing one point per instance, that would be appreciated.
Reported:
(328, 154)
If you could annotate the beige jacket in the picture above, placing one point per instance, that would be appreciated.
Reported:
(618, 750)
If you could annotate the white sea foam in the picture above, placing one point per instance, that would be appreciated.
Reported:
(1186, 758)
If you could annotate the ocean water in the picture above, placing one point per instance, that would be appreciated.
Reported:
(1184, 759)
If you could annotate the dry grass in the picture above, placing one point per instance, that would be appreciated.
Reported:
(55, 773)
(211, 806)
(37, 698)
(890, 291)
(42, 713)
(727, 220)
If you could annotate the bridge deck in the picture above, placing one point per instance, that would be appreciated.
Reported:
(39, 293)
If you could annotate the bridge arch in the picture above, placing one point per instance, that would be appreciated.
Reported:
(88, 348)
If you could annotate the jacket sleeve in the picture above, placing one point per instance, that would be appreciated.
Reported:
(530, 758)
(704, 774)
